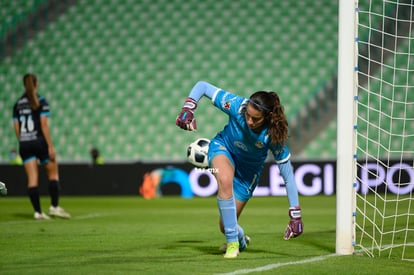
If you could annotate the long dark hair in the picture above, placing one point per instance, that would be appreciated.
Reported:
(30, 84)
(269, 104)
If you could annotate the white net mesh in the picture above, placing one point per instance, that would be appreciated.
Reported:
(385, 129)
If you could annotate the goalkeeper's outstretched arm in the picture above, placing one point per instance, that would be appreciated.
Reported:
(295, 225)
(185, 118)
(201, 89)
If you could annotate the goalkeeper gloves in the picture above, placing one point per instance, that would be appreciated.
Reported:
(185, 118)
(295, 225)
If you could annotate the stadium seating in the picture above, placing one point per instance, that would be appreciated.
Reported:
(13, 12)
(117, 74)
(386, 116)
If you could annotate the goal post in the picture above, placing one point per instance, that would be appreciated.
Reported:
(345, 178)
(375, 129)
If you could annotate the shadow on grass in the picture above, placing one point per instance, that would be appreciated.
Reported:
(209, 249)
(23, 216)
(323, 240)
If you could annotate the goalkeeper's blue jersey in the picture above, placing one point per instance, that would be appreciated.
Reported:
(248, 149)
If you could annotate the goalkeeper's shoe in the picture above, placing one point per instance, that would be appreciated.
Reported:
(58, 212)
(41, 216)
(242, 246)
(232, 250)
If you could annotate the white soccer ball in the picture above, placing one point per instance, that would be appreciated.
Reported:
(3, 189)
(197, 152)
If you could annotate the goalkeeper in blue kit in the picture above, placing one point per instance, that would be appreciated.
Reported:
(238, 152)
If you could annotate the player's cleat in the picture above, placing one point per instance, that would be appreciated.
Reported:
(58, 212)
(232, 250)
(41, 216)
(243, 245)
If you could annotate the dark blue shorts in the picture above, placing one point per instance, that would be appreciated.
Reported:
(35, 149)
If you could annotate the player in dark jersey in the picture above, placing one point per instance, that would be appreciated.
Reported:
(237, 154)
(31, 124)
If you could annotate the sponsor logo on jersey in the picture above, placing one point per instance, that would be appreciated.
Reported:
(25, 111)
(240, 145)
(23, 100)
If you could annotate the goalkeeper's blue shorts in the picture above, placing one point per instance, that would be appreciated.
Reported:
(245, 178)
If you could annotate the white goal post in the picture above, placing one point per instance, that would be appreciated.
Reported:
(345, 177)
(375, 129)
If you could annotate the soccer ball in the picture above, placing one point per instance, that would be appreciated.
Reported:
(3, 189)
(197, 152)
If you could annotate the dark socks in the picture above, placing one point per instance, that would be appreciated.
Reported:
(54, 192)
(35, 198)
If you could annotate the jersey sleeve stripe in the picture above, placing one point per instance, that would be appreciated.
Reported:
(283, 160)
(214, 95)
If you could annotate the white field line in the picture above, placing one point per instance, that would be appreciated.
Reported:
(275, 266)
(81, 217)
(88, 216)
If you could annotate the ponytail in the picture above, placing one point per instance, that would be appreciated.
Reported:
(30, 85)
(278, 125)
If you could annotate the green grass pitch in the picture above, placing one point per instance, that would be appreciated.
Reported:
(171, 235)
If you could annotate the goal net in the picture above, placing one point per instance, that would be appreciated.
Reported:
(384, 219)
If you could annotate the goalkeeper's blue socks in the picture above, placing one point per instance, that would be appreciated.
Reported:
(227, 208)
(242, 239)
